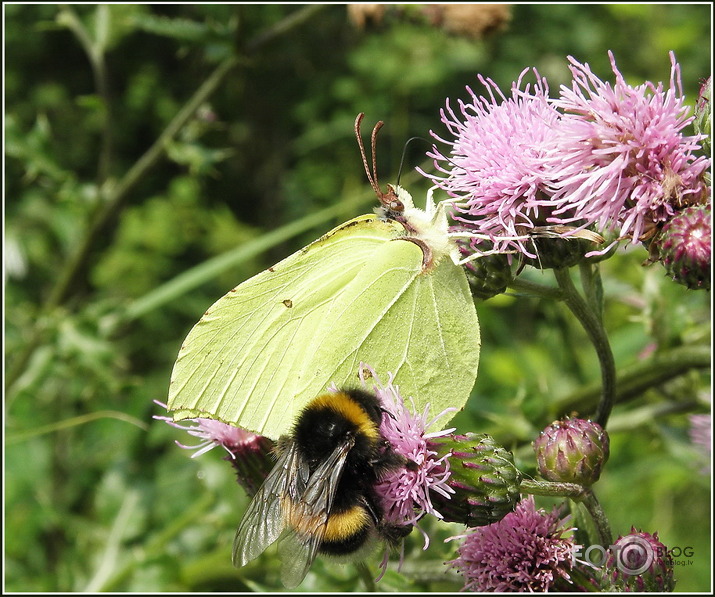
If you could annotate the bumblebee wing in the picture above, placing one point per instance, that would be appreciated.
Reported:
(308, 517)
(263, 520)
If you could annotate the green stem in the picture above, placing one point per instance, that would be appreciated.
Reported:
(552, 489)
(68, 17)
(576, 492)
(593, 326)
(20, 436)
(96, 54)
(112, 547)
(292, 21)
(533, 289)
(592, 288)
(366, 576)
(603, 528)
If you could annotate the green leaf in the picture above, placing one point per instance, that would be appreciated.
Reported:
(358, 294)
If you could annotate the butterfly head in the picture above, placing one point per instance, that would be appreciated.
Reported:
(429, 227)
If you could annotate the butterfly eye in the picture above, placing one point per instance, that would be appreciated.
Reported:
(390, 200)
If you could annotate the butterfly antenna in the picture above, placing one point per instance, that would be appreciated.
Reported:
(370, 177)
(373, 147)
(389, 199)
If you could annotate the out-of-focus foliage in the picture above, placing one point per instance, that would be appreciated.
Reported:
(97, 496)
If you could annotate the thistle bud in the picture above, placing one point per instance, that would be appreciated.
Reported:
(572, 451)
(683, 247)
(639, 562)
(483, 476)
(489, 275)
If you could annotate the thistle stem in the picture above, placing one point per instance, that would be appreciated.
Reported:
(532, 288)
(366, 577)
(552, 488)
(603, 528)
(576, 492)
(590, 319)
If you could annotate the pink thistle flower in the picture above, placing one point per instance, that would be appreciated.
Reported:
(212, 433)
(496, 168)
(622, 161)
(525, 551)
(405, 492)
(248, 452)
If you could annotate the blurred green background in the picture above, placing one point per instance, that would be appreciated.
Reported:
(157, 155)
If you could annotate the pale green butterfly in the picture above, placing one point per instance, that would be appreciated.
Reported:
(382, 289)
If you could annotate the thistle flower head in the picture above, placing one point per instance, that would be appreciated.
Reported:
(527, 550)
(483, 477)
(684, 247)
(607, 156)
(488, 276)
(248, 452)
(621, 159)
(496, 169)
(406, 492)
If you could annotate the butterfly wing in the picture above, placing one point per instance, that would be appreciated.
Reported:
(359, 294)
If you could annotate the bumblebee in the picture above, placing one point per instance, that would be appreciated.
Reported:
(320, 497)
